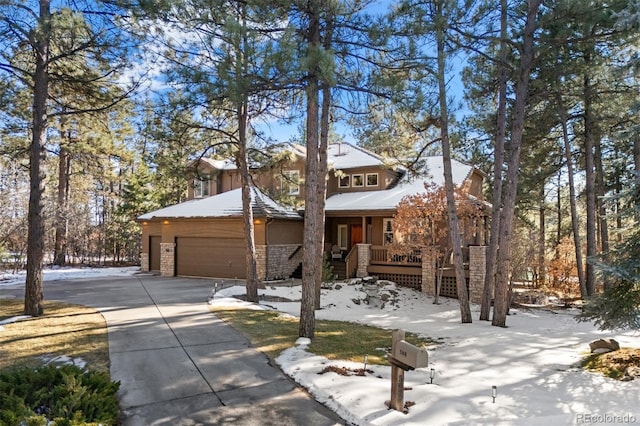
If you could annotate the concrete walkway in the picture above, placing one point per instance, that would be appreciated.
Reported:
(178, 364)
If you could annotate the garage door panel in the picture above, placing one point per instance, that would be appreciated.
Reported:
(210, 257)
(154, 252)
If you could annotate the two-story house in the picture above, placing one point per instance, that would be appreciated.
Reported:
(204, 237)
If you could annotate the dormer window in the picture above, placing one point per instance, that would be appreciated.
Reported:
(344, 181)
(372, 179)
(357, 180)
(200, 187)
(291, 182)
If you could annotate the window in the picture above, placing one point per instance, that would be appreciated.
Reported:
(372, 179)
(357, 180)
(201, 187)
(344, 181)
(387, 231)
(291, 182)
(343, 237)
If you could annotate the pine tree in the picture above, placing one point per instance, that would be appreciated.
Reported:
(618, 307)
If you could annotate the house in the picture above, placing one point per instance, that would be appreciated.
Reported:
(204, 236)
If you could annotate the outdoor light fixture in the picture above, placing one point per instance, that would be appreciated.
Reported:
(494, 392)
(432, 374)
(366, 358)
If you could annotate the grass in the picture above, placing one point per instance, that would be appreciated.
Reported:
(65, 329)
(271, 333)
(613, 364)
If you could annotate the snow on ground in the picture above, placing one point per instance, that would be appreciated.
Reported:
(532, 363)
(67, 273)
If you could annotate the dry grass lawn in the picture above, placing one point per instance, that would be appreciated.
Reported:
(271, 333)
(614, 364)
(65, 329)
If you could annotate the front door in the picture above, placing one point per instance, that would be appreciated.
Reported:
(356, 234)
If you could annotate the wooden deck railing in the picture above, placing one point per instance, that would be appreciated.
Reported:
(379, 256)
(351, 261)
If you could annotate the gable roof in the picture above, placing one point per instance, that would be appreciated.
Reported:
(409, 185)
(343, 155)
(226, 204)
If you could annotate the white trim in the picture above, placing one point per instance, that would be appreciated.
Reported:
(348, 180)
(200, 188)
(387, 231)
(367, 179)
(353, 180)
(343, 236)
(291, 184)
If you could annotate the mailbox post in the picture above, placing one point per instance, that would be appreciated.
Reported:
(404, 356)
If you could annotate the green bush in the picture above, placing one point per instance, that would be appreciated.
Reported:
(57, 396)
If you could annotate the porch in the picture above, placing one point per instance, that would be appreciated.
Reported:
(419, 271)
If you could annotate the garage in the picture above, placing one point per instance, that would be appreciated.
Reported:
(154, 252)
(210, 257)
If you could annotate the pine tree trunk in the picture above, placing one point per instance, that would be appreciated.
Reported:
(498, 161)
(636, 168)
(454, 227)
(311, 274)
(600, 193)
(322, 180)
(242, 115)
(589, 182)
(575, 224)
(541, 240)
(34, 292)
(502, 294)
(252, 281)
(62, 207)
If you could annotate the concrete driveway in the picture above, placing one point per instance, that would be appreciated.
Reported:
(178, 364)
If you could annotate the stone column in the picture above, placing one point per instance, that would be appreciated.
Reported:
(144, 262)
(477, 270)
(167, 259)
(428, 271)
(262, 263)
(364, 256)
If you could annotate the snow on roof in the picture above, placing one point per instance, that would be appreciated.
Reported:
(226, 164)
(226, 204)
(347, 156)
(409, 185)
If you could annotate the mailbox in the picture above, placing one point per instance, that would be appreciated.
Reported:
(410, 355)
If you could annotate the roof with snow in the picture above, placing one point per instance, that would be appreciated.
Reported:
(409, 185)
(226, 204)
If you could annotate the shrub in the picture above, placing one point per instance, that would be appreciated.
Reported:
(57, 396)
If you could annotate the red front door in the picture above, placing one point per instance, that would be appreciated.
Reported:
(356, 234)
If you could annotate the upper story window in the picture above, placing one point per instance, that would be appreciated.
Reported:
(344, 181)
(357, 180)
(291, 182)
(387, 231)
(372, 179)
(200, 187)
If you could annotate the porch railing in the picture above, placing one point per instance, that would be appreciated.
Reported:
(380, 256)
(351, 262)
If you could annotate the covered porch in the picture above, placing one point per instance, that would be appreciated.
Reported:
(356, 246)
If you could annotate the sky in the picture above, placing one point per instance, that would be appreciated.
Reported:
(532, 362)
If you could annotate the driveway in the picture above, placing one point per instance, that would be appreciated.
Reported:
(178, 364)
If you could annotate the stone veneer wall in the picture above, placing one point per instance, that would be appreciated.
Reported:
(477, 270)
(167, 259)
(144, 262)
(428, 271)
(261, 262)
(274, 261)
(364, 255)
